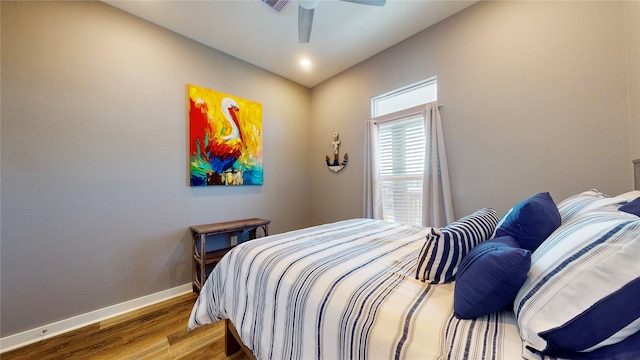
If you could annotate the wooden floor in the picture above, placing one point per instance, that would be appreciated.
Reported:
(154, 332)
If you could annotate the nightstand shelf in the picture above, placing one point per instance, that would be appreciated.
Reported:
(203, 264)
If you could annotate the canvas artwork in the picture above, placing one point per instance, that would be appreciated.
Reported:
(225, 139)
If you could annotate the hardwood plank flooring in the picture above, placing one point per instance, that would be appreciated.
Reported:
(154, 332)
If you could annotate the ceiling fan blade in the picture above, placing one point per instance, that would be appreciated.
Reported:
(305, 20)
(276, 5)
(368, 2)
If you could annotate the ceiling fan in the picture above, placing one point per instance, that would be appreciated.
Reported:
(305, 13)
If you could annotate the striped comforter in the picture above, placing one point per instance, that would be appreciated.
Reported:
(345, 290)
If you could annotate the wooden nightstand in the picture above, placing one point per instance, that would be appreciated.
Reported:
(203, 264)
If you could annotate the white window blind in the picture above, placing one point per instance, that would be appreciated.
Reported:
(402, 146)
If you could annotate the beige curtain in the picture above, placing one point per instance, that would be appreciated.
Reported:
(372, 193)
(437, 207)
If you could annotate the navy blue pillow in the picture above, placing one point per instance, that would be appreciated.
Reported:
(489, 277)
(632, 207)
(531, 221)
(627, 349)
(610, 314)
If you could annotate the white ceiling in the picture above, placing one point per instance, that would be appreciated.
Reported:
(343, 33)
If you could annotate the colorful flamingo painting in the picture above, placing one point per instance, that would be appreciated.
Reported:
(225, 139)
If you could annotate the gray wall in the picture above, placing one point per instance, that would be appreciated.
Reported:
(95, 198)
(632, 23)
(538, 96)
(535, 99)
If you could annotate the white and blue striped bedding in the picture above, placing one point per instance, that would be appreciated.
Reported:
(346, 291)
(582, 290)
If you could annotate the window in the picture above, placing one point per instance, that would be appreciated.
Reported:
(401, 149)
(401, 168)
(406, 97)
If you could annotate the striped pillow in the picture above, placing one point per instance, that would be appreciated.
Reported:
(582, 290)
(444, 248)
(587, 201)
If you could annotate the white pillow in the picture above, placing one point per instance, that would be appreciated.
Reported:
(588, 201)
(628, 196)
(582, 290)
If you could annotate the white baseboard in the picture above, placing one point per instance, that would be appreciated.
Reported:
(46, 331)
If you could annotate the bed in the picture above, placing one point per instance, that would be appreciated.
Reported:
(482, 287)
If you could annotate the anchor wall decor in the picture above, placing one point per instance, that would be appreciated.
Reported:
(336, 166)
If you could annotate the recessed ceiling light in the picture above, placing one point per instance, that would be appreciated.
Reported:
(306, 64)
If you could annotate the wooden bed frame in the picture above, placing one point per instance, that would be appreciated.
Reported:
(232, 342)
